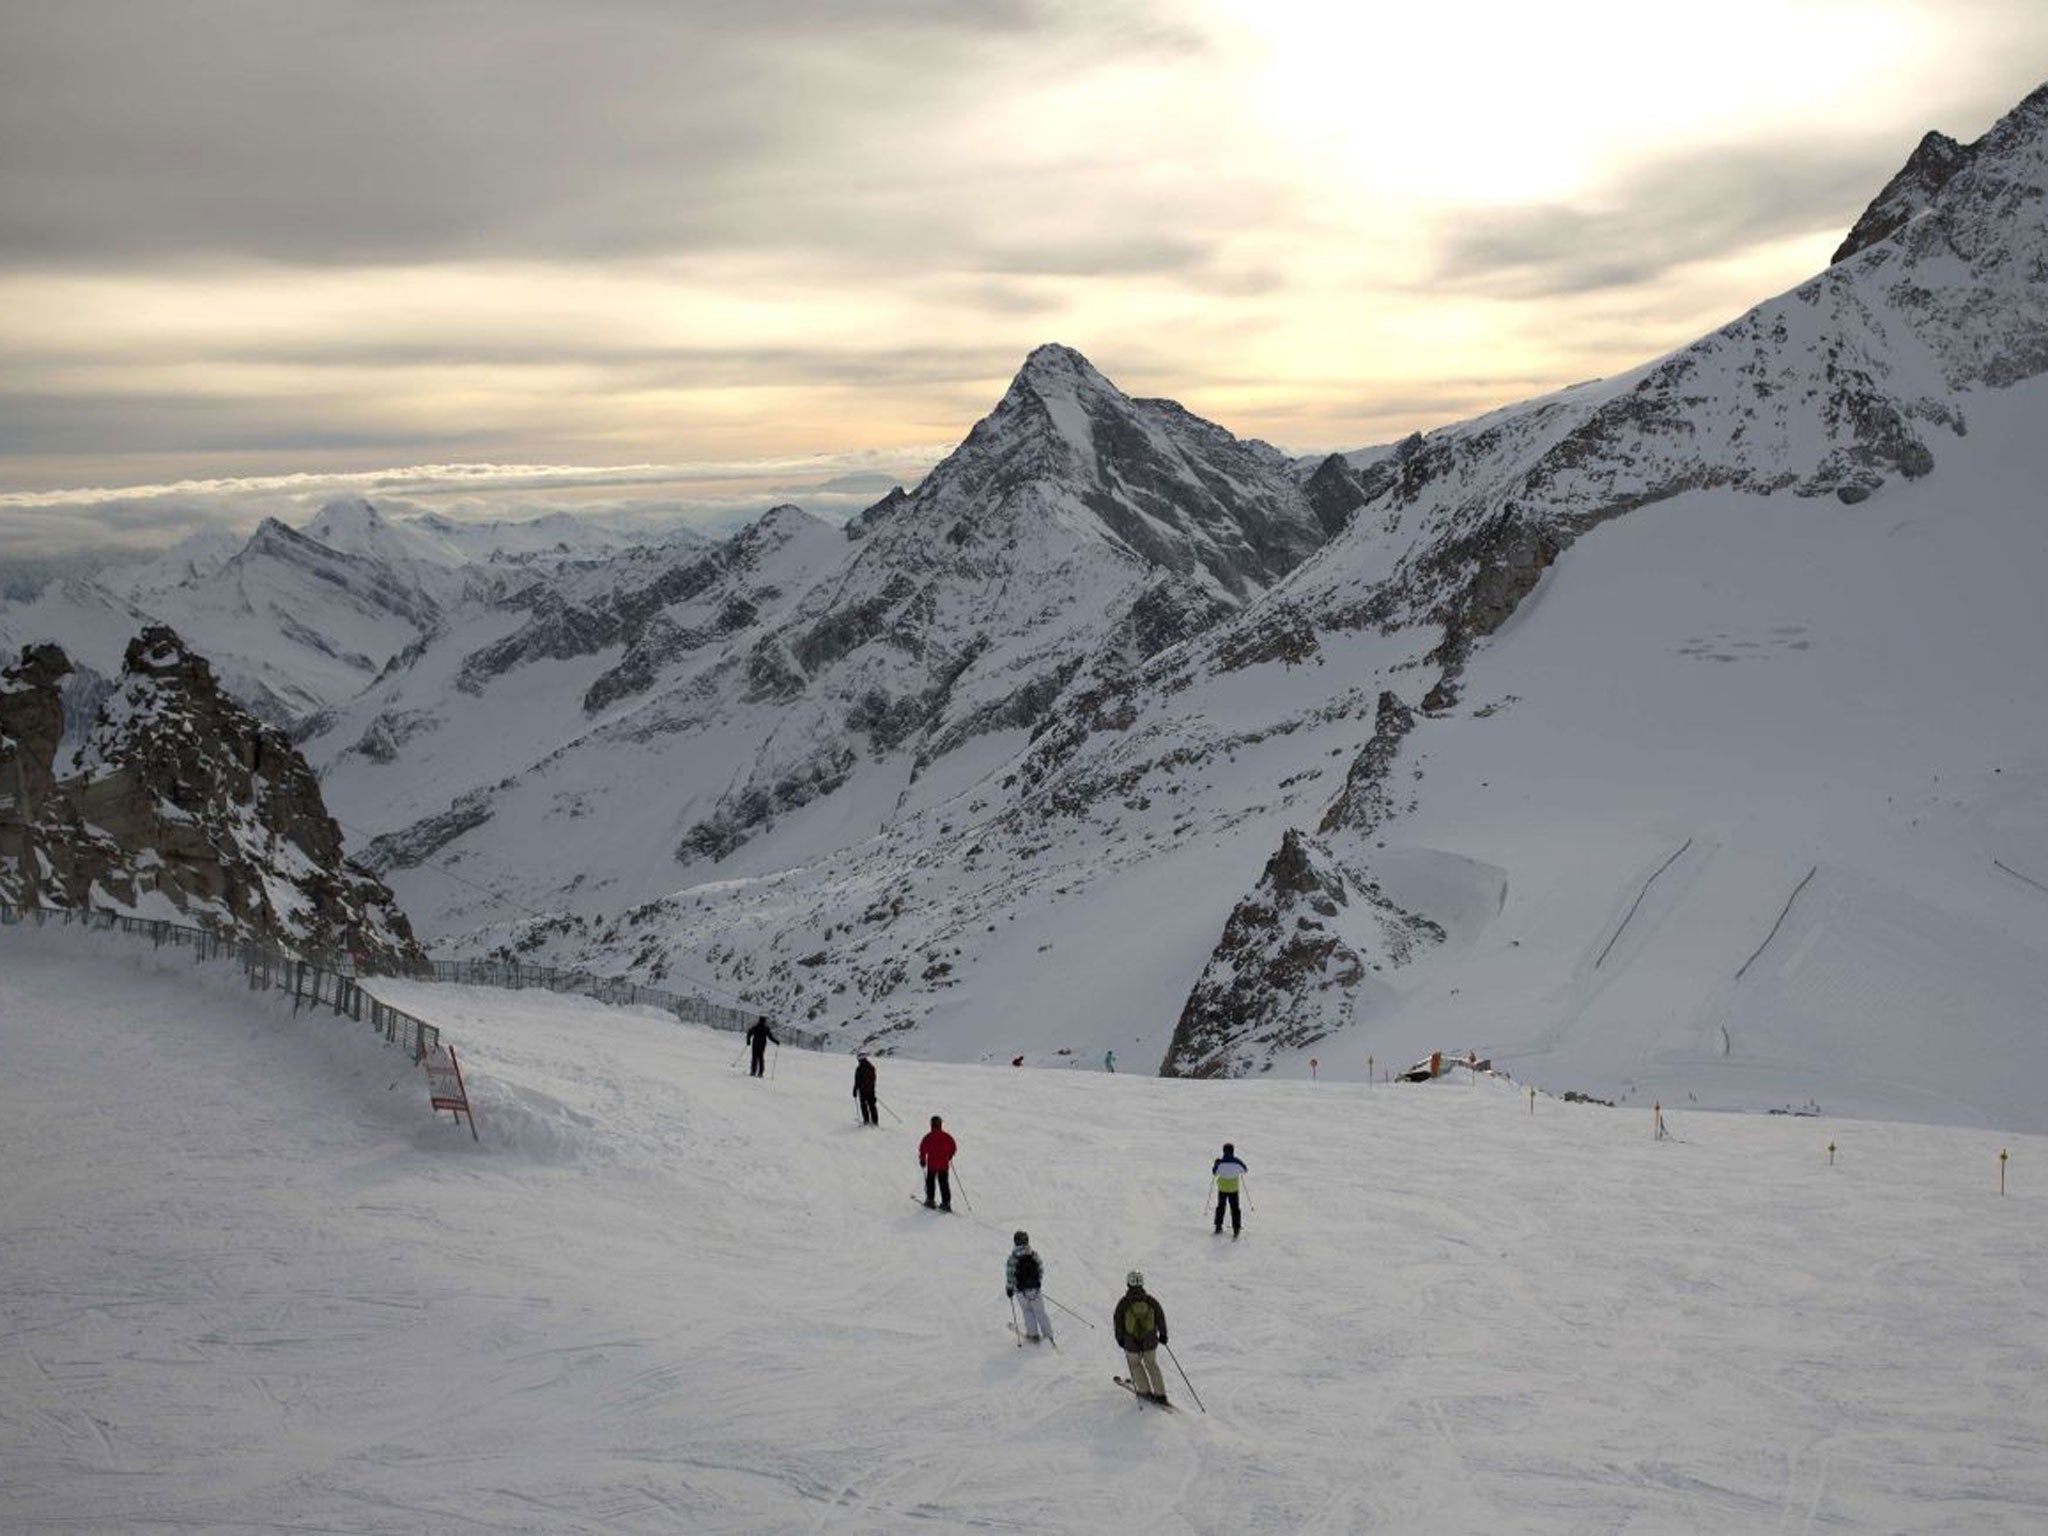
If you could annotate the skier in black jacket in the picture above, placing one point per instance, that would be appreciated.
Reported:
(758, 1037)
(864, 1090)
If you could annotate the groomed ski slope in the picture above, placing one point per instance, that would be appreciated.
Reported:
(248, 1284)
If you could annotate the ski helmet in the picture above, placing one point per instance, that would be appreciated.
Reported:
(1021, 1239)
(1135, 1279)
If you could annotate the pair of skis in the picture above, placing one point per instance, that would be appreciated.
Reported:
(1126, 1383)
(1033, 1338)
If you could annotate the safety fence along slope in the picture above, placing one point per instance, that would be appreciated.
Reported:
(611, 989)
(310, 984)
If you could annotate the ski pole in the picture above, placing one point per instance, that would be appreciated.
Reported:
(1244, 1183)
(1065, 1308)
(1183, 1374)
(736, 1058)
(1014, 1329)
(963, 1190)
(772, 1060)
(892, 1113)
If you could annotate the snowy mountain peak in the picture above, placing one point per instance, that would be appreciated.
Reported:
(353, 526)
(1937, 160)
(1055, 395)
(778, 525)
(1926, 171)
(1163, 488)
(342, 516)
(1055, 372)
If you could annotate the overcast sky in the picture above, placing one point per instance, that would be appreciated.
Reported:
(244, 240)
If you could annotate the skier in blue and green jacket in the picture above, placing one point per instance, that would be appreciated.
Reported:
(1228, 1171)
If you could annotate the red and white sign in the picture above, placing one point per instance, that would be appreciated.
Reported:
(444, 1085)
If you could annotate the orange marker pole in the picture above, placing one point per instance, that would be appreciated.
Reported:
(2001, 1170)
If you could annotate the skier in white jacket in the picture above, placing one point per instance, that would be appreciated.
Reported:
(1023, 1275)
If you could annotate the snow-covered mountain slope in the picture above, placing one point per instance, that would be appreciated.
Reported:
(536, 717)
(92, 622)
(296, 625)
(251, 1285)
(739, 721)
(298, 621)
(193, 558)
(351, 525)
(1485, 714)
(556, 535)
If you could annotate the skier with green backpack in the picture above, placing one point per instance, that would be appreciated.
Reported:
(1140, 1324)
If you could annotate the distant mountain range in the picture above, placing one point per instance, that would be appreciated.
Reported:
(1678, 734)
(298, 620)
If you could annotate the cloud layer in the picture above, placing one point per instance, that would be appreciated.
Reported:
(241, 239)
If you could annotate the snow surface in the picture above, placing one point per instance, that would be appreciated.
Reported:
(250, 1284)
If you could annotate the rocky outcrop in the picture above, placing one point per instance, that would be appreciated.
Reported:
(1293, 965)
(1927, 170)
(1335, 491)
(1364, 802)
(31, 729)
(184, 803)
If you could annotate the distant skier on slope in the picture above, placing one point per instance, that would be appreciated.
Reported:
(758, 1037)
(1228, 1171)
(1109, 1061)
(864, 1090)
(1023, 1275)
(935, 1155)
(1140, 1324)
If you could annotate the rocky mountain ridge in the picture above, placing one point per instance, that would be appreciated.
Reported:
(816, 679)
(184, 806)
(1239, 779)
(294, 620)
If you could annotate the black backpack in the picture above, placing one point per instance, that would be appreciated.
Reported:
(1028, 1272)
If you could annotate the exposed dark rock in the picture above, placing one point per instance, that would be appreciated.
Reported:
(1364, 803)
(383, 737)
(865, 522)
(845, 629)
(772, 675)
(1284, 974)
(1927, 170)
(1335, 492)
(184, 794)
(414, 845)
(742, 814)
(31, 729)
(557, 631)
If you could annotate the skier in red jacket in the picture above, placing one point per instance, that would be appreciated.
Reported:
(935, 1156)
